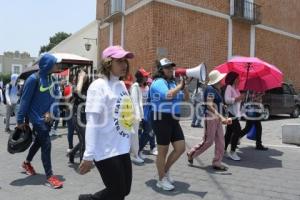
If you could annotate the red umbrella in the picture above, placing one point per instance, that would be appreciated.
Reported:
(255, 74)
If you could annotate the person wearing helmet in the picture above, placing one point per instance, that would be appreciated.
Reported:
(37, 103)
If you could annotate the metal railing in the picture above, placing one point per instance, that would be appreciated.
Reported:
(246, 11)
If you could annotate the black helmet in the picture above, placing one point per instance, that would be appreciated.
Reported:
(19, 140)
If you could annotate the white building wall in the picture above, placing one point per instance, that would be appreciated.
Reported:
(75, 44)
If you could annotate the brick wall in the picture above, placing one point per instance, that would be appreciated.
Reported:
(281, 14)
(139, 37)
(281, 51)
(190, 37)
(100, 9)
(103, 39)
(216, 5)
(130, 3)
(117, 26)
(241, 39)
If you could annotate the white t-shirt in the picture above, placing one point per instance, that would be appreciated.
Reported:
(110, 119)
(233, 107)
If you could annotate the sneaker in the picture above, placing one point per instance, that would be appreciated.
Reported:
(29, 170)
(233, 155)
(154, 151)
(53, 133)
(169, 178)
(165, 184)
(69, 150)
(137, 160)
(71, 159)
(261, 147)
(199, 126)
(141, 155)
(7, 130)
(54, 183)
(85, 197)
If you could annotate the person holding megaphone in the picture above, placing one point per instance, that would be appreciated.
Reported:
(165, 98)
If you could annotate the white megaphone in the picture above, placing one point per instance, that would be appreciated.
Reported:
(198, 72)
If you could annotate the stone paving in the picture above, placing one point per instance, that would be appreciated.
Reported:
(273, 174)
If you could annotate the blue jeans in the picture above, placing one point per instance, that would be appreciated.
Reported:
(198, 114)
(146, 135)
(43, 141)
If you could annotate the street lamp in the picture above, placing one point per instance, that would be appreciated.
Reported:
(88, 45)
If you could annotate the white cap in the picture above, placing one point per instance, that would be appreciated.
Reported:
(166, 62)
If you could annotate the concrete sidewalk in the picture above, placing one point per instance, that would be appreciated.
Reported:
(272, 174)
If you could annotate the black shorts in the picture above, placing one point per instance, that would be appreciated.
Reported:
(167, 129)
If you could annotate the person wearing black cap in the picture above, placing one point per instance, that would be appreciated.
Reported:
(165, 97)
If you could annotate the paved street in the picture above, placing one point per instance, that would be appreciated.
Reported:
(273, 174)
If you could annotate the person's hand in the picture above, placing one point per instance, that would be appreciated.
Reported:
(47, 117)
(21, 126)
(240, 98)
(227, 121)
(82, 75)
(85, 166)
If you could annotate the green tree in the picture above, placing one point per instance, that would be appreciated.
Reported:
(54, 40)
(5, 77)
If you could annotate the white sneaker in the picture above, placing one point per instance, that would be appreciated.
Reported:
(154, 151)
(69, 150)
(165, 184)
(169, 178)
(233, 155)
(137, 160)
(53, 133)
(141, 155)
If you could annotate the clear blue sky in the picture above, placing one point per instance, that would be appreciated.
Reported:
(25, 25)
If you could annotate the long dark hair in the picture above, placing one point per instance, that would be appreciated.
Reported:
(231, 77)
(139, 78)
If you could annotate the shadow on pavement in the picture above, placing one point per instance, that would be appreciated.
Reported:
(181, 188)
(38, 179)
(252, 158)
(210, 170)
(279, 117)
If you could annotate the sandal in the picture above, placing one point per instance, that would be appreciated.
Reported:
(220, 168)
(190, 159)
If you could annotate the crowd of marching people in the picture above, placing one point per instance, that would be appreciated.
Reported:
(114, 121)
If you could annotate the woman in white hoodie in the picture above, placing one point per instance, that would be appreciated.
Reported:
(110, 124)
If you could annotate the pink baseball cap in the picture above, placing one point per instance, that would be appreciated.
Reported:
(116, 52)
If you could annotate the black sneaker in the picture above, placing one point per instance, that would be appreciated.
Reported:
(261, 147)
(85, 197)
(71, 158)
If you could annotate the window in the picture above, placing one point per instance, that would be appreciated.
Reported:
(286, 89)
(16, 69)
